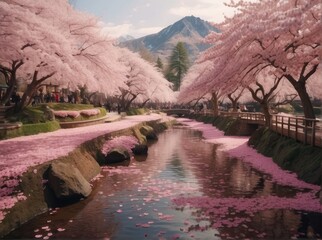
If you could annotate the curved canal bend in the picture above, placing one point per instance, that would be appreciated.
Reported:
(184, 189)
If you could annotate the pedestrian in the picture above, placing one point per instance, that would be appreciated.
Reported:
(108, 106)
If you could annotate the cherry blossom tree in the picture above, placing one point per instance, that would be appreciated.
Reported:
(281, 34)
(144, 82)
(234, 97)
(190, 89)
(197, 85)
(284, 37)
(264, 96)
(53, 41)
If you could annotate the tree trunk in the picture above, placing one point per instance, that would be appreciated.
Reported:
(305, 99)
(300, 87)
(145, 102)
(127, 107)
(179, 79)
(234, 105)
(121, 104)
(10, 89)
(214, 100)
(25, 99)
(32, 87)
(234, 100)
(11, 81)
(267, 115)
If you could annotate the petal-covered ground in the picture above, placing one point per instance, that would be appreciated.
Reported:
(237, 147)
(189, 189)
(221, 208)
(19, 154)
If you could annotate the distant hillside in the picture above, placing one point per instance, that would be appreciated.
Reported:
(190, 30)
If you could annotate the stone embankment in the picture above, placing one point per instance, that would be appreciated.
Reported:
(51, 169)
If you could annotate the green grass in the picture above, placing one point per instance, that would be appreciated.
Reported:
(31, 129)
(37, 114)
(36, 119)
(29, 115)
(304, 160)
(137, 111)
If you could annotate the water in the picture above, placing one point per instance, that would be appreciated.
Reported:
(167, 196)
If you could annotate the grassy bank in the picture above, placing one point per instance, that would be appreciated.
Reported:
(31, 129)
(228, 125)
(304, 160)
(38, 119)
(137, 111)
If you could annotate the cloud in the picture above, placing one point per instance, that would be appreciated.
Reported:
(205, 9)
(116, 31)
(147, 30)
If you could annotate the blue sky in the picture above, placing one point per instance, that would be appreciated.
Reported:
(142, 17)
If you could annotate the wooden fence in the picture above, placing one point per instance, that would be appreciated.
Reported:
(251, 117)
(301, 129)
(305, 130)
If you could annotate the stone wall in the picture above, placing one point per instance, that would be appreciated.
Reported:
(39, 196)
(34, 184)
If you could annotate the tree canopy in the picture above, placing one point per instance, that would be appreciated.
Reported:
(282, 36)
(43, 42)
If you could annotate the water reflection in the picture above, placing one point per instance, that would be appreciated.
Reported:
(185, 188)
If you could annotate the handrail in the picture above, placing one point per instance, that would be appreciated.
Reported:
(299, 128)
(244, 115)
(306, 130)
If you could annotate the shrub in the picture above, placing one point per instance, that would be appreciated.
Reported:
(90, 112)
(82, 115)
(65, 113)
(137, 111)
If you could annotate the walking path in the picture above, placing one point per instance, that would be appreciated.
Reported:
(22, 152)
(18, 154)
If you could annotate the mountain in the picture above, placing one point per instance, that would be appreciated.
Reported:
(190, 30)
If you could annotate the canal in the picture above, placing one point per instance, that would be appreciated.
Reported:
(185, 188)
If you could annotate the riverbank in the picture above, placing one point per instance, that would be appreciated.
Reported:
(303, 160)
(25, 160)
(237, 146)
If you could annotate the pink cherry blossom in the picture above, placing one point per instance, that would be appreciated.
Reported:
(221, 208)
(37, 149)
(261, 37)
(90, 112)
(237, 147)
(128, 142)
